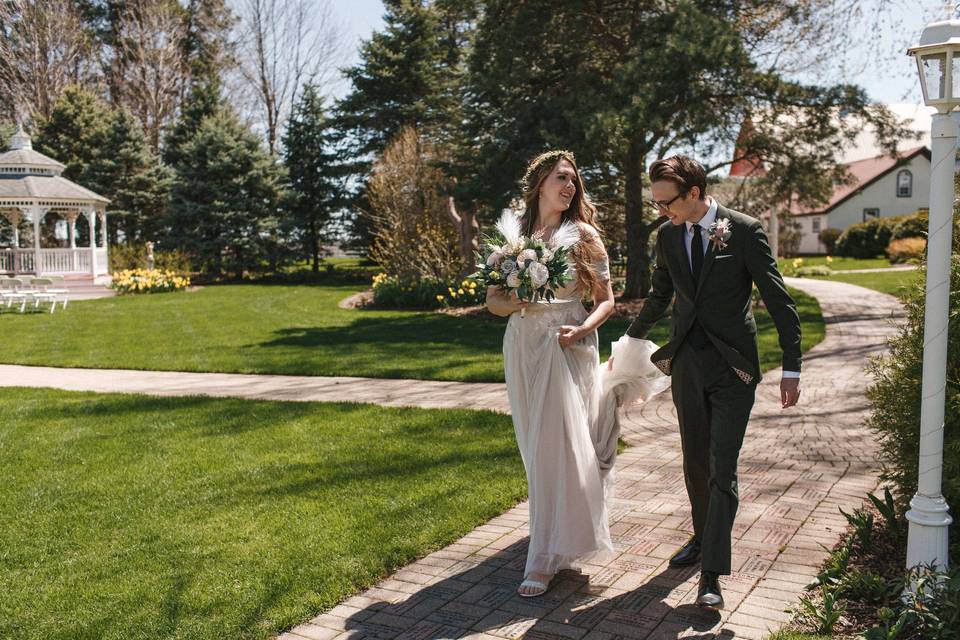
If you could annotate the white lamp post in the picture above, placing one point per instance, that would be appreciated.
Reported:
(938, 59)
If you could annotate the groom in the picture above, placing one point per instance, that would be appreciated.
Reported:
(708, 258)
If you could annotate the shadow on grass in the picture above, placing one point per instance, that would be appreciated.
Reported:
(418, 328)
(476, 596)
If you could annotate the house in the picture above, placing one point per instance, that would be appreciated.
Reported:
(882, 186)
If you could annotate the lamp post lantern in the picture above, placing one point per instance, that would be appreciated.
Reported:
(938, 61)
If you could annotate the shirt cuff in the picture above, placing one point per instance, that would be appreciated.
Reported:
(791, 374)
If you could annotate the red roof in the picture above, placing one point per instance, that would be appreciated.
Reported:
(864, 172)
(745, 166)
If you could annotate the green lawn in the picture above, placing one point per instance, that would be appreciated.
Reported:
(839, 264)
(133, 517)
(890, 282)
(283, 329)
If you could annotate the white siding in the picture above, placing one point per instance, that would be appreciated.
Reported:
(882, 195)
(809, 238)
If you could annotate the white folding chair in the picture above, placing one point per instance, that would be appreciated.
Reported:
(62, 292)
(40, 291)
(10, 292)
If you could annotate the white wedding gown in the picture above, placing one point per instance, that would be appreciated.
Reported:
(564, 407)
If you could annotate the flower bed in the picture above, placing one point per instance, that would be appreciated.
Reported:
(130, 281)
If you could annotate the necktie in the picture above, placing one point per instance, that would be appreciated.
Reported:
(696, 253)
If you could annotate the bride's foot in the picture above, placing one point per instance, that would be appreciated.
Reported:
(536, 584)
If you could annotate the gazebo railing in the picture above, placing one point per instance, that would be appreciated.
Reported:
(52, 261)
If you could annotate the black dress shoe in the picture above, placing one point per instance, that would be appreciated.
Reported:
(709, 594)
(687, 555)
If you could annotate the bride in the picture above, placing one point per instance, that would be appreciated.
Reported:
(564, 418)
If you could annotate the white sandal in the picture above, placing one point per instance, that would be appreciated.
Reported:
(540, 586)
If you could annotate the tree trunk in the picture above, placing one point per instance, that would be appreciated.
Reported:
(638, 259)
(469, 229)
(315, 246)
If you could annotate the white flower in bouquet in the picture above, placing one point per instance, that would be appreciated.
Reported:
(527, 254)
(547, 256)
(508, 265)
(539, 274)
(495, 258)
(513, 279)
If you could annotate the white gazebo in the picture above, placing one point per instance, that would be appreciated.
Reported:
(30, 188)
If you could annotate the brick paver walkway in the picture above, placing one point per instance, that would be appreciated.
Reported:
(796, 468)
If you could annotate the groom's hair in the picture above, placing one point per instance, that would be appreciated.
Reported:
(683, 171)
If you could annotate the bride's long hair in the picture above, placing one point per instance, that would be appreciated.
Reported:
(581, 212)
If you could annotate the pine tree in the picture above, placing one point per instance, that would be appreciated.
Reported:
(203, 101)
(402, 79)
(225, 198)
(76, 135)
(315, 179)
(131, 175)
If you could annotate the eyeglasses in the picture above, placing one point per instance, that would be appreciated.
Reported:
(663, 206)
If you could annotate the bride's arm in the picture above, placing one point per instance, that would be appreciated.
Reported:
(603, 305)
(500, 304)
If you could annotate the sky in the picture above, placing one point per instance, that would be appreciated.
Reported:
(879, 63)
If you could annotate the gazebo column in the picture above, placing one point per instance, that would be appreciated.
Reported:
(71, 217)
(36, 213)
(102, 214)
(14, 216)
(91, 222)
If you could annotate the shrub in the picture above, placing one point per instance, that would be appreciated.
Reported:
(907, 250)
(829, 239)
(913, 226)
(816, 270)
(409, 219)
(147, 281)
(867, 239)
(895, 397)
(425, 293)
(129, 257)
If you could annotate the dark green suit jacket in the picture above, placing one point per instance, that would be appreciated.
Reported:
(721, 299)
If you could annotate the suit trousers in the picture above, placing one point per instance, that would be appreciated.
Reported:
(713, 408)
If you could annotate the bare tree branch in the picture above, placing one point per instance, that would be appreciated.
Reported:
(282, 44)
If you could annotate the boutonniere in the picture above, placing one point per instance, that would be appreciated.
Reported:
(718, 234)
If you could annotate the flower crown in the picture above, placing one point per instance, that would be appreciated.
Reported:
(546, 156)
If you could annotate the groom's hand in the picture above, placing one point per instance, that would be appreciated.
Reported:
(789, 391)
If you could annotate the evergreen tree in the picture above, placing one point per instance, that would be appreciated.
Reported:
(402, 79)
(411, 74)
(76, 135)
(203, 101)
(206, 45)
(225, 197)
(622, 84)
(315, 179)
(133, 178)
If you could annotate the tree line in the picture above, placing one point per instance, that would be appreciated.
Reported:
(483, 85)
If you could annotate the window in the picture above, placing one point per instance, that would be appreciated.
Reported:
(904, 184)
(870, 213)
(816, 225)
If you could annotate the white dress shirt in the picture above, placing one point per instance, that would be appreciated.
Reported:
(708, 219)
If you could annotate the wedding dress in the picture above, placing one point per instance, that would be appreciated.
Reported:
(564, 408)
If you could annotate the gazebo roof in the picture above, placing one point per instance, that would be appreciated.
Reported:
(26, 174)
(45, 188)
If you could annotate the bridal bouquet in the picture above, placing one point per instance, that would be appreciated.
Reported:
(531, 267)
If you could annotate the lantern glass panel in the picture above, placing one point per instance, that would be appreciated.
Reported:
(955, 73)
(934, 68)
